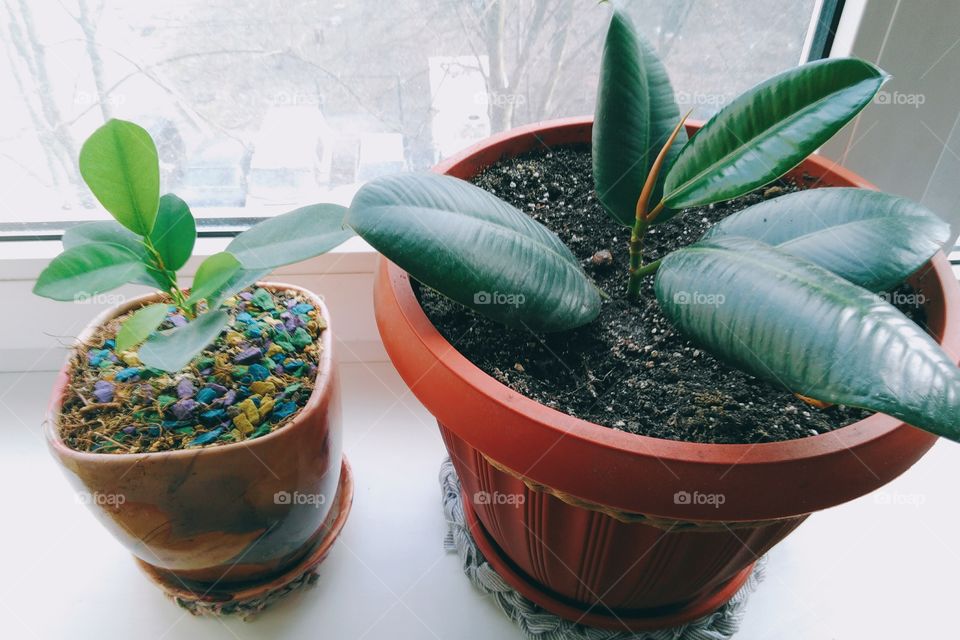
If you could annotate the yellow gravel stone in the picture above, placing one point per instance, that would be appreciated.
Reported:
(130, 359)
(234, 338)
(266, 406)
(263, 387)
(242, 424)
(250, 410)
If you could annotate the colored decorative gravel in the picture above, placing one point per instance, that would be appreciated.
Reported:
(253, 380)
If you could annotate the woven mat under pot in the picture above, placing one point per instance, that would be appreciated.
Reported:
(538, 624)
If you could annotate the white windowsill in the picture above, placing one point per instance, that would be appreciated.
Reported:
(881, 567)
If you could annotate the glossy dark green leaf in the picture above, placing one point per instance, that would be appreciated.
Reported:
(111, 232)
(88, 269)
(790, 321)
(635, 114)
(291, 237)
(119, 163)
(174, 349)
(212, 274)
(140, 325)
(870, 238)
(770, 129)
(475, 249)
(174, 233)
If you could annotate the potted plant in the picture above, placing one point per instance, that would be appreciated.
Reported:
(202, 426)
(614, 528)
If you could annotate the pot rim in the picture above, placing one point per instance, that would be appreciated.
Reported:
(848, 438)
(320, 389)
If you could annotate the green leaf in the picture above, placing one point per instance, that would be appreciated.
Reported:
(770, 129)
(173, 350)
(88, 269)
(870, 238)
(635, 114)
(174, 233)
(110, 232)
(140, 325)
(212, 274)
(238, 282)
(291, 237)
(119, 163)
(475, 249)
(787, 320)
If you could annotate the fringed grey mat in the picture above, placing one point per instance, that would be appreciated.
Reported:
(537, 624)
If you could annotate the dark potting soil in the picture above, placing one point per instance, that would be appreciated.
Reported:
(251, 381)
(629, 369)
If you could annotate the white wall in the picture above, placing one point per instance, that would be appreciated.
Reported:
(908, 142)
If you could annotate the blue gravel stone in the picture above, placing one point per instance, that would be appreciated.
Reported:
(127, 374)
(244, 317)
(303, 307)
(110, 344)
(206, 395)
(258, 371)
(207, 437)
(213, 416)
(293, 365)
(283, 410)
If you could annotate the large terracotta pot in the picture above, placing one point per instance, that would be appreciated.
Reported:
(618, 530)
(219, 516)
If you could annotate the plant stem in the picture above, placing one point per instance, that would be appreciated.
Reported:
(643, 218)
(173, 288)
(648, 268)
(636, 258)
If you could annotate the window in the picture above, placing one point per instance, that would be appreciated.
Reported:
(258, 106)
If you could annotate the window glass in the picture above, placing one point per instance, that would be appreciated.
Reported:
(258, 106)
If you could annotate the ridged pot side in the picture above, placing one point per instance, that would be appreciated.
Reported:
(566, 554)
(212, 514)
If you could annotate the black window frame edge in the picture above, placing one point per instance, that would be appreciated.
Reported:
(826, 30)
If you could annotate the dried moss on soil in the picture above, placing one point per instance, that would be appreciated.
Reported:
(253, 380)
(629, 369)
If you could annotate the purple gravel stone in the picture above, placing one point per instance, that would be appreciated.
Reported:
(178, 320)
(103, 391)
(129, 430)
(185, 388)
(229, 398)
(248, 356)
(219, 388)
(183, 408)
(246, 295)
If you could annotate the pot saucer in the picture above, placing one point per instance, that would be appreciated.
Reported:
(246, 599)
(598, 616)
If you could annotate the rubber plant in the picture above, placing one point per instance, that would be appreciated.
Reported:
(786, 289)
(152, 237)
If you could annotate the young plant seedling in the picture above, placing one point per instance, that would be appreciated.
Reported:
(798, 275)
(153, 237)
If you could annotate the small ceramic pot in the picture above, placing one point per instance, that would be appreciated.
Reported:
(241, 512)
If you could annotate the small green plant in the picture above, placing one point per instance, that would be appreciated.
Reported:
(787, 289)
(153, 237)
